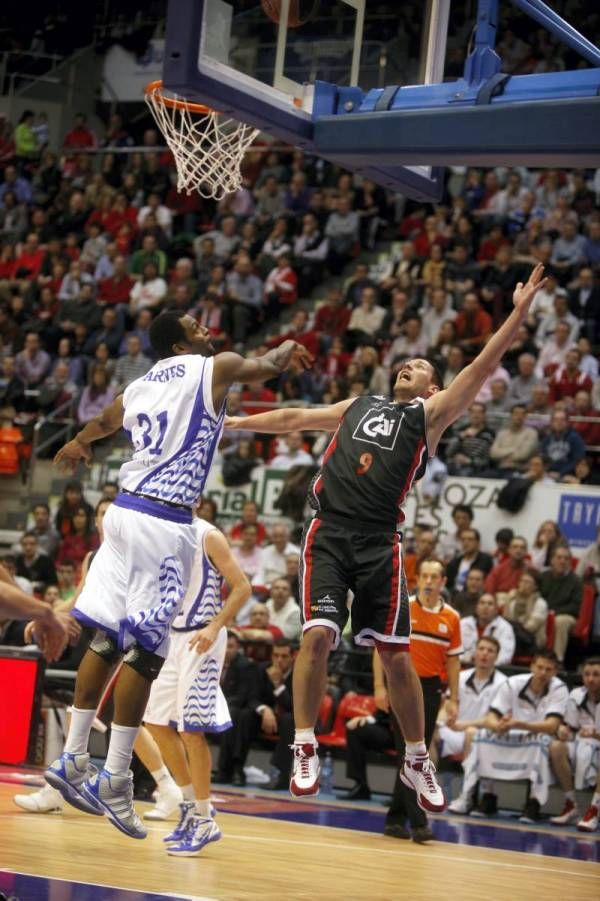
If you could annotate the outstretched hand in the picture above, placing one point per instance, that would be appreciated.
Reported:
(301, 358)
(71, 453)
(524, 293)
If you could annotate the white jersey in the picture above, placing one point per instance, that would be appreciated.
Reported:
(202, 599)
(174, 429)
(474, 702)
(515, 697)
(582, 710)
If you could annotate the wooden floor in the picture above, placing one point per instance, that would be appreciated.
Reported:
(270, 859)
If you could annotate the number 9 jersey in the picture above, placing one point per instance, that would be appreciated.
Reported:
(174, 429)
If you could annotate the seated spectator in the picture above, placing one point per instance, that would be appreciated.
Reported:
(29, 261)
(504, 577)
(275, 709)
(331, 318)
(574, 752)
(149, 292)
(44, 531)
(424, 550)
(584, 301)
(57, 390)
(300, 331)
(245, 294)
(590, 559)
(240, 462)
(32, 364)
(130, 367)
(9, 562)
(249, 555)
(498, 406)
(80, 135)
(358, 281)
(521, 385)
(449, 546)
(588, 431)
(547, 539)
(15, 184)
(560, 315)
(473, 325)
(487, 622)
(275, 554)
(109, 333)
(569, 249)
(477, 688)
(259, 628)
(455, 363)
(67, 581)
(554, 351)
(311, 249)
(96, 395)
(539, 409)
(342, 231)
(82, 310)
(439, 310)
(72, 500)
(281, 286)
(523, 717)
(527, 613)
(472, 557)
(562, 589)
(294, 455)
(79, 542)
(364, 734)
(366, 318)
(468, 451)
(116, 288)
(409, 343)
(148, 253)
(562, 446)
(567, 380)
(465, 600)
(284, 612)
(240, 685)
(12, 389)
(34, 565)
(514, 445)
(163, 214)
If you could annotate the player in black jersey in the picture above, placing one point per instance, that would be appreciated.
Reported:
(379, 448)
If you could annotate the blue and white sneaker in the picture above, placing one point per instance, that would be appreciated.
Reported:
(186, 812)
(114, 797)
(199, 833)
(67, 775)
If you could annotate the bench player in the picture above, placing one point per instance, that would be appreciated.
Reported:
(136, 583)
(186, 700)
(379, 448)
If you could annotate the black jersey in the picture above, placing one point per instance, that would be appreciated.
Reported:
(377, 452)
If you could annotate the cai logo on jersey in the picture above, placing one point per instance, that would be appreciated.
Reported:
(379, 427)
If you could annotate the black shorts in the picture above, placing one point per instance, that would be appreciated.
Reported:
(336, 558)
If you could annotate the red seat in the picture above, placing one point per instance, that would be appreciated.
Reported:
(352, 704)
(583, 627)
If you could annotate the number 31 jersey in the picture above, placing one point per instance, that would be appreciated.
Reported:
(377, 453)
(174, 429)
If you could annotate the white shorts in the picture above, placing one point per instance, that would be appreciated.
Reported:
(453, 742)
(136, 583)
(187, 694)
(584, 756)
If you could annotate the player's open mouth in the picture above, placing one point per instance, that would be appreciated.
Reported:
(405, 375)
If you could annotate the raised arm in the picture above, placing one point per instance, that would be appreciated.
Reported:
(105, 423)
(445, 407)
(230, 367)
(292, 419)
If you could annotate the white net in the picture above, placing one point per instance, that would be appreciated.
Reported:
(208, 147)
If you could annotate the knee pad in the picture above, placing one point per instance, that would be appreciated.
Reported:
(105, 646)
(143, 662)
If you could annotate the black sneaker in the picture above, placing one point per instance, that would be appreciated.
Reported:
(531, 812)
(396, 830)
(487, 806)
(422, 834)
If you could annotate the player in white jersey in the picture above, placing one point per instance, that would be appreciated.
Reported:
(135, 586)
(575, 755)
(186, 701)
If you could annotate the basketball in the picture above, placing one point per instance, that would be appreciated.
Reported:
(300, 11)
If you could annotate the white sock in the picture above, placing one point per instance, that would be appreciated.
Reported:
(570, 796)
(120, 749)
(596, 799)
(305, 737)
(79, 730)
(203, 808)
(162, 775)
(415, 749)
(188, 792)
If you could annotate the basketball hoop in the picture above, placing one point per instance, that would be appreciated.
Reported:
(208, 146)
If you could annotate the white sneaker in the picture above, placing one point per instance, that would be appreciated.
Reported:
(168, 799)
(199, 833)
(305, 775)
(568, 815)
(46, 800)
(418, 773)
(459, 805)
(589, 821)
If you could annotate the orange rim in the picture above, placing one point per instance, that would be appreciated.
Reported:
(155, 88)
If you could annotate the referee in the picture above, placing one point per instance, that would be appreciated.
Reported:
(435, 649)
